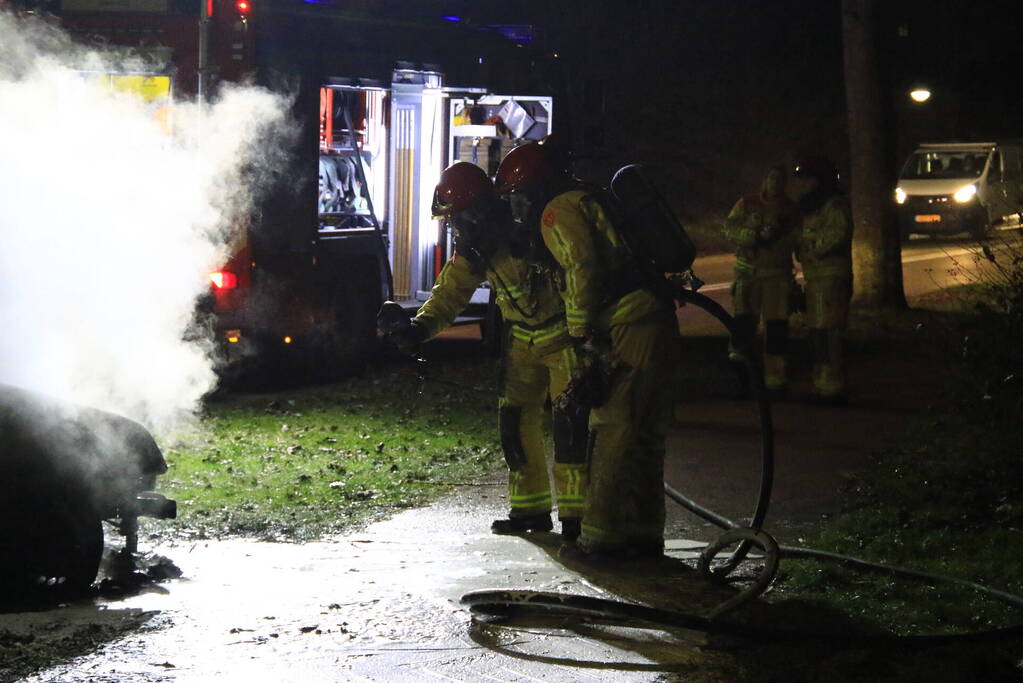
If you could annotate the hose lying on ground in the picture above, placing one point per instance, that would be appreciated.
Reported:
(508, 603)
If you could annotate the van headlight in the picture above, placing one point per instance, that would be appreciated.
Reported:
(900, 196)
(965, 194)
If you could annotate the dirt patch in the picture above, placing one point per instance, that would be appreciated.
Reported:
(35, 641)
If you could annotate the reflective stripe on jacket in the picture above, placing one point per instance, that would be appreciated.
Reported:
(757, 259)
(533, 309)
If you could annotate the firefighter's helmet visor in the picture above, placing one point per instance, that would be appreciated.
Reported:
(440, 208)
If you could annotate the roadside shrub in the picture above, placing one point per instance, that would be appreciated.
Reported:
(992, 349)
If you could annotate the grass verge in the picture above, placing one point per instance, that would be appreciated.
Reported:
(946, 498)
(317, 461)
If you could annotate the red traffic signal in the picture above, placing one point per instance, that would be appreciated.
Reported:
(243, 7)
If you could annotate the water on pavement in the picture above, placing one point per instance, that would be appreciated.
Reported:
(381, 604)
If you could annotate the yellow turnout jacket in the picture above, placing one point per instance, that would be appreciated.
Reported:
(825, 246)
(599, 287)
(531, 307)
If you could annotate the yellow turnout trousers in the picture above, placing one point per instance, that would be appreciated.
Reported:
(528, 373)
(626, 496)
(827, 310)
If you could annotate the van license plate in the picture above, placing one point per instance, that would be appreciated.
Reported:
(927, 218)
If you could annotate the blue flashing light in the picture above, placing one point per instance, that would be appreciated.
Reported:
(451, 17)
(522, 34)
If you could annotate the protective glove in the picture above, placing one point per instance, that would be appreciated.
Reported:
(767, 233)
(594, 348)
(410, 338)
(397, 329)
(592, 381)
(753, 221)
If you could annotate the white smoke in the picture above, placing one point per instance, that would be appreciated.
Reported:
(109, 226)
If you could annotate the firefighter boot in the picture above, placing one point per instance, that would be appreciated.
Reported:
(830, 386)
(832, 378)
(570, 528)
(741, 343)
(776, 339)
(520, 525)
(828, 373)
(774, 375)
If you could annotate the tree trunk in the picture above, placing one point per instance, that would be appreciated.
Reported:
(877, 252)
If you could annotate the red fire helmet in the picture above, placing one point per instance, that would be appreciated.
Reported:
(527, 164)
(461, 185)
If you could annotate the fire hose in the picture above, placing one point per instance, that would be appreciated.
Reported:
(505, 603)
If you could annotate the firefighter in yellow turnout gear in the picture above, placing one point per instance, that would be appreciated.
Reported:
(608, 309)
(538, 354)
(764, 227)
(825, 252)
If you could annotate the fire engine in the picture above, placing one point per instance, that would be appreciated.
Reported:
(351, 227)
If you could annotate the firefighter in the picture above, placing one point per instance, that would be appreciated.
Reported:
(764, 228)
(538, 356)
(825, 252)
(611, 314)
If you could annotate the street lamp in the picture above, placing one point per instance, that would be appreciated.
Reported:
(920, 95)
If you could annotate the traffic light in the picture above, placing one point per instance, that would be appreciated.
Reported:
(243, 7)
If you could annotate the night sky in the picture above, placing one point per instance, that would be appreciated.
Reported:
(708, 93)
(712, 92)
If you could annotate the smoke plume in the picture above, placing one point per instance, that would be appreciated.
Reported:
(112, 215)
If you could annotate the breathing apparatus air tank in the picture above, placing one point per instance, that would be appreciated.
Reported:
(648, 226)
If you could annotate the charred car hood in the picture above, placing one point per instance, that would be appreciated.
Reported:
(50, 447)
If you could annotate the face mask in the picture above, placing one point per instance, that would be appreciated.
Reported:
(468, 225)
(520, 206)
(478, 230)
(464, 237)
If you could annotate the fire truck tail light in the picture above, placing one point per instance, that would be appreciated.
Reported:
(223, 279)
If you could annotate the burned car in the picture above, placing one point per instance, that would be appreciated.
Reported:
(63, 470)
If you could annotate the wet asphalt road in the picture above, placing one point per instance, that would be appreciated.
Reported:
(379, 605)
(714, 448)
(927, 263)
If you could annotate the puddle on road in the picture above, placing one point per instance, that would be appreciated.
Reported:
(376, 605)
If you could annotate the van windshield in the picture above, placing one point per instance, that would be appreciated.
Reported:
(945, 164)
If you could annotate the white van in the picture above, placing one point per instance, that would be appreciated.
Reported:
(955, 187)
